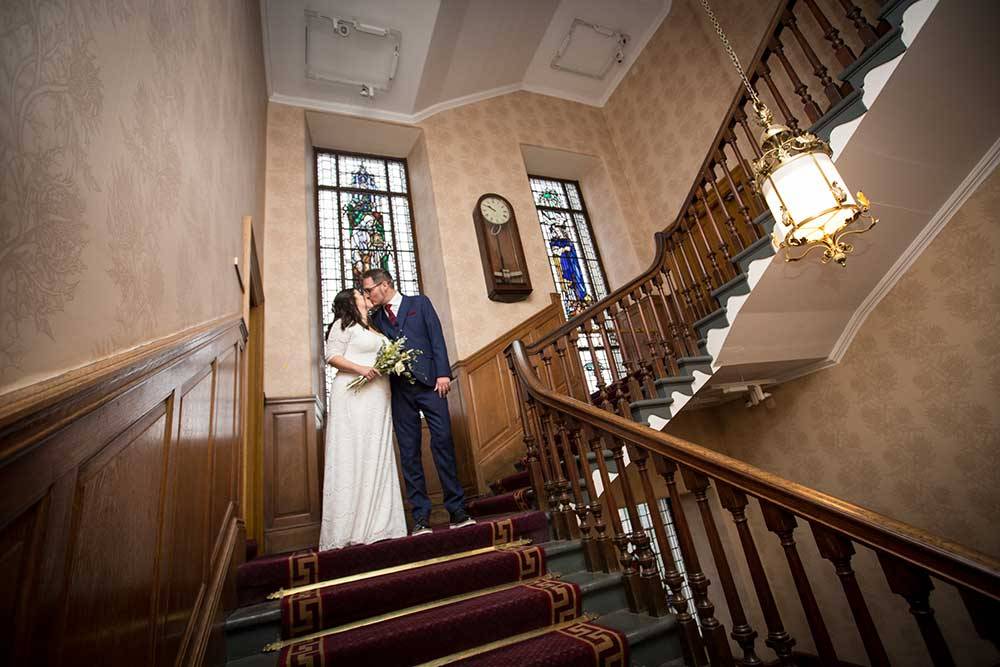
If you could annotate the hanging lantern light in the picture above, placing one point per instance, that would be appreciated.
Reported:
(802, 187)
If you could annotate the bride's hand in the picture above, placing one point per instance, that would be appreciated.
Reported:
(369, 373)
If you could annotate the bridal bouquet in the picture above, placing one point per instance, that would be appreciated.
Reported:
(393, 359)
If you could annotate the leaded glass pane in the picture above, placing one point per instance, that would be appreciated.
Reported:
(576, 268)
(362, 225)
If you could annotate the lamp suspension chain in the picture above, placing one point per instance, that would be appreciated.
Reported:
(757, 104)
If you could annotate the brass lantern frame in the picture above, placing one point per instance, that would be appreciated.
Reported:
(779, 145)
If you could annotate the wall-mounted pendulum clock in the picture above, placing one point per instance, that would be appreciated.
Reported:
(500, 246)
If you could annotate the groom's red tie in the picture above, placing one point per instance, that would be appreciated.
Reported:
(392, 315)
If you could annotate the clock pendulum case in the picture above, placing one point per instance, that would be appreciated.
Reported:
(504, 267)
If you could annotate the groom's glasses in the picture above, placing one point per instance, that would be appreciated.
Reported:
(368, 290)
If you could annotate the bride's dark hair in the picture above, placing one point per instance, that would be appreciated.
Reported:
(345, 310)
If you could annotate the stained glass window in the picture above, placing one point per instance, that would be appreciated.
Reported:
(575, 263)
(364, 222)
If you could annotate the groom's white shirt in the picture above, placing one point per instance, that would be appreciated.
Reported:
(396, 301)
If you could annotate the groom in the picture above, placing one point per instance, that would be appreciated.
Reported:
(397, 315)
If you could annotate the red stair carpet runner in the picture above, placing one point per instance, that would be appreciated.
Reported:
(578, 644)
(518, 480)
(311, 611)
(515, 501)
(263, 576)
(424, 636)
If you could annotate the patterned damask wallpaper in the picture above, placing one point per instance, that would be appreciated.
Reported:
(131, 144)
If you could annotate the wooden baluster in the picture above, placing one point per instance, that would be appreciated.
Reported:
(545, 459)
(573, 343)
(706, 285)
(605, 543)
(764, 72)
(782, 523)
(651, 590)
(734, 234)
(591, 550)
(833, 92)
(601, 400)
(561, 518)
(530, 444)
(578, 515)
(547, 364)
(838, 550)
(615, 395)
(630, 574)
(658, 605)
(840, 49)
(801, 89)
(633, 362)
(778, 639)
(913, 584)
(654, 368)
(560, 345)
(715, 633)
(680, 346)
(701, 296)
(659, 339)
(759, 205)
(645, 372)
(740, 204)
(865, 30)
(984, 612)
(741, 118)
(716, 272)
(744, 635)
(676, 274)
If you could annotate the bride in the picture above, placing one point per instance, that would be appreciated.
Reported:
(361, 497)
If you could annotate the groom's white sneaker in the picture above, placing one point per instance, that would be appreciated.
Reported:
(420, 528)
(461, 519)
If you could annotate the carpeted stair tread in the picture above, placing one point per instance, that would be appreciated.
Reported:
(445, 630)
(312, 611)
(579, 645)
(518, 480)
(519, 500)
(258, 578)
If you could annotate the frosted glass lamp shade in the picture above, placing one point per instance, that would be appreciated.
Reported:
(811, 190)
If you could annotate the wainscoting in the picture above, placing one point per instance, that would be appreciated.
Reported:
(120, 513)
(293, 472)
(483, 404)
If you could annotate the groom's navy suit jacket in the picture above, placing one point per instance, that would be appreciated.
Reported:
(418, 321)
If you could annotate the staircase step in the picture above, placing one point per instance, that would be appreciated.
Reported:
(759, 249)
(513, 501)
(262, 576)
(564, 556)
(602, 593)
(714, 320)
(643, 410)
(652, 641)
(518, 480)
(665, 387)
(738, 286)
(688, 365)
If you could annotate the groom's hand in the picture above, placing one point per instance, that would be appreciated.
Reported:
(442, 386)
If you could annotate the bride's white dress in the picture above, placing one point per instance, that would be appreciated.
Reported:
(362, 502)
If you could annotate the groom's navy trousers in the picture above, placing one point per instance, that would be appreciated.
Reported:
(418, 322)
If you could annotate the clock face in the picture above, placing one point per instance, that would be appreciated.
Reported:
(495, 210)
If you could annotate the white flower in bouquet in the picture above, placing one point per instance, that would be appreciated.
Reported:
(394, 358)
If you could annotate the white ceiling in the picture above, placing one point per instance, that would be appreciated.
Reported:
(454, 52)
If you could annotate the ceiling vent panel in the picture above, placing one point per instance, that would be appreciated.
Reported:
(349, 52)
(590, 50)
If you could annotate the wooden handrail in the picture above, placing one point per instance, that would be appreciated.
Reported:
(947, 560)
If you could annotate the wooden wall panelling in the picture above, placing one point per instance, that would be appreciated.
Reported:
(292, 499)
(483, 403)
(89, 515)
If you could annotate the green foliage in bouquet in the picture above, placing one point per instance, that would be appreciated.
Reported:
(394, 358)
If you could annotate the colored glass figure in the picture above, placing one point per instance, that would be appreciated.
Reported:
(366, 229)
(570, 270)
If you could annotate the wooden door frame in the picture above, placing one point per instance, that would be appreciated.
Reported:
(252, 468)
